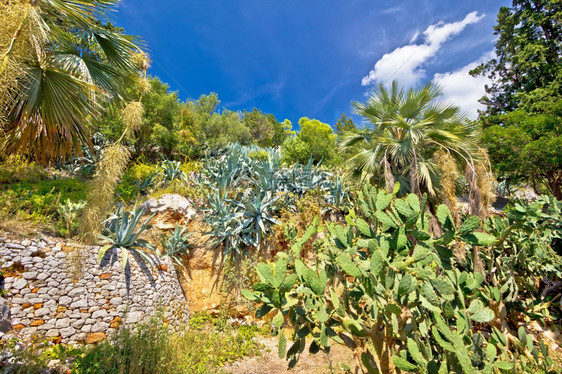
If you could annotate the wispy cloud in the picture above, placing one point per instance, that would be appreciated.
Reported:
(268, 89)
(462, 89)
(394, 9)
(405, 63)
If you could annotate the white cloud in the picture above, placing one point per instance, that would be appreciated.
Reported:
(462, 89)
(405, 64)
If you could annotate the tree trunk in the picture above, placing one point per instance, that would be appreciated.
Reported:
(388, 177)
(474, 208)
(554, 184)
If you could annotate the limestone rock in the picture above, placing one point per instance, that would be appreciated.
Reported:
(170, 209)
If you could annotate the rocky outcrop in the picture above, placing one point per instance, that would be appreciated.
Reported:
(169, 209)
(62, 292)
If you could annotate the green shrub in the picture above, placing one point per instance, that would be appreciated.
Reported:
(395, 294)
(153, 348)
(39, 201)
(16, 169)
(138, 180)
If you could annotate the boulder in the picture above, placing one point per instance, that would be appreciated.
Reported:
(5, 324)
(169, 209)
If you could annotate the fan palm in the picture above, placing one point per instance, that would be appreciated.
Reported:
(405, 131)
(60, 60)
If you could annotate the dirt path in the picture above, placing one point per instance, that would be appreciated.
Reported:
(268, 362)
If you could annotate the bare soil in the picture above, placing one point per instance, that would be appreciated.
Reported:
(338, 361)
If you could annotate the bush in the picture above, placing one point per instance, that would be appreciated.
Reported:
(149, 347)
(16, 169)
(39, 200)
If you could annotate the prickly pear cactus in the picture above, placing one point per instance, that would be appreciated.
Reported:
(384, 286)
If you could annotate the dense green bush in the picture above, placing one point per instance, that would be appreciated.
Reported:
(395, 293)
(39, 200)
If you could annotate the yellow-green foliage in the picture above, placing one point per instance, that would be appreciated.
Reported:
(102, 189)
(15, 168)
(315, 139)
(188, 167)
(39, 200)
(138, 171)
(485, 181)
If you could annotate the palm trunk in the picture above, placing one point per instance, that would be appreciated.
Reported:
(414, 177)
(474, 207)
(388, 177)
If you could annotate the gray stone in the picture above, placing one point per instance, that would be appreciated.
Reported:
(28, 331)
(46, 326)
(133, 317)
(80, 304)
(100, 327)
(79, 291)
(86, 328)
(116, 301)
(67, 332)
(19, 284)
(64, 322)
(99, 313)
(29, 275)
(78, 323)
(52, 333)
(65, 301)
(14, 246)
(42, 312)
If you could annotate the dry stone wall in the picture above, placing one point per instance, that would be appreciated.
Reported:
(63, 293)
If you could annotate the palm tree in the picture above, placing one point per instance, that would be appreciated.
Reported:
(58, 60)
(405, 130)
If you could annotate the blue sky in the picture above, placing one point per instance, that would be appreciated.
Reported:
(312, 57)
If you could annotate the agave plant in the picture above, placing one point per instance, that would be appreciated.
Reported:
(121, 232)
(171, 170)
(300, 179)
(176, 244)
(146, 183)
(225, 223)
(337, 194)
(257, 217)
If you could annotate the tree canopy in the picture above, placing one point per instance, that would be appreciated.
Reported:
(523, 117)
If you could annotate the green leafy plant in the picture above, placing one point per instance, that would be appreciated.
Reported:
(122, 232)
(69, 212)
(175, 244)
(389, 290)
